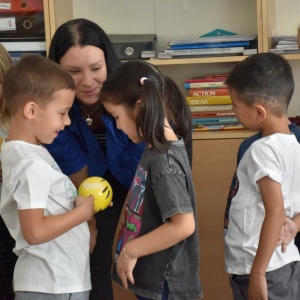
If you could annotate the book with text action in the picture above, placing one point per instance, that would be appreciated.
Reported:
(208, 92)
(209, 100)
(197, 108)
(205, 51)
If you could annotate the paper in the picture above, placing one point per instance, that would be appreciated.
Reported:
(5, 6)
(8, 24)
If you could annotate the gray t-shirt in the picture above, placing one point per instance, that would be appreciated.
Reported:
(162, 187)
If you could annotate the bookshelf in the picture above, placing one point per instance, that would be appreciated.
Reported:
(56, 12)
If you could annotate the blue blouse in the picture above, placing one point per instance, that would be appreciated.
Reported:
(76, 147)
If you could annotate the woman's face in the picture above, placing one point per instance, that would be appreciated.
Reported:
(87, 66)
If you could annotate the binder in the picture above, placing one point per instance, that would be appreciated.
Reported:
(21, 6)
(16, 26)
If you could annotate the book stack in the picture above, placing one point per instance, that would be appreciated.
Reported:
(285, 45)
(22, 27)
(210, 104)
(214, 43)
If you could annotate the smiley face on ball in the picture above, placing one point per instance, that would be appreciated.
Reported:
(100, 189)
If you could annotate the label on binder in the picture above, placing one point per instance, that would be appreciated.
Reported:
(8, 24)
(5, 6)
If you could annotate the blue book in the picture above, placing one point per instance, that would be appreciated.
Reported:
(221, 120)
(209, 45)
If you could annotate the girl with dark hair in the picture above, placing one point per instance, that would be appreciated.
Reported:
(157, 255)
(92, 145)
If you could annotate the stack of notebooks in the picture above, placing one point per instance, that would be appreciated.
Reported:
(215, 43)
(285, 45)
(210, 104)
(22, 27)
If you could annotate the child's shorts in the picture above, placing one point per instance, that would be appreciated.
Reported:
(44, 296)
(283, 283)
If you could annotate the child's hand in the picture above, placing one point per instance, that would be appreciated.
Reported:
(86, 204)
(257, 289)
(125, 266)
(288, 233)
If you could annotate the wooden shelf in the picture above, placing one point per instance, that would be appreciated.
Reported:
(209, 60)
(222, 134)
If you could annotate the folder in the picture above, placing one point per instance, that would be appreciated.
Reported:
(16, 26)
(21, 6)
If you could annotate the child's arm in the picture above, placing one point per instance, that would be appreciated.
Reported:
(37, 228)
(271, 227)
(178, 228)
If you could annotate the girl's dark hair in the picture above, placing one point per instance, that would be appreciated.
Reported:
(82, 32)
(124, 87)
(177, 109)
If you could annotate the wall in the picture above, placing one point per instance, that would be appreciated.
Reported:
(174, 19)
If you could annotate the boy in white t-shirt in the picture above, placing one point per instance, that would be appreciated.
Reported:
(269, 191)
(39, 204)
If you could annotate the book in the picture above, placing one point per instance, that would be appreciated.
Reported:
(214, 39)
(287, 46)
(209, 84)
(217, 120)
(209, 100)
(284, 51)
(208, 92)
(196, 108)
(219, 127)
(209, 45)
(221, 78)
(205, 51)
(211, 114)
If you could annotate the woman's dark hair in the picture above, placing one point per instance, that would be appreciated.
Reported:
(82, 32)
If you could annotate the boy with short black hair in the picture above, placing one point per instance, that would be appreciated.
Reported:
(261, 87)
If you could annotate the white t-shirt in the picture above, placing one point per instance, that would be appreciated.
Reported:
(278, 157)
(31, 180)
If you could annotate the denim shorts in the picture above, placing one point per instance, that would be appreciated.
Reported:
(44, 296)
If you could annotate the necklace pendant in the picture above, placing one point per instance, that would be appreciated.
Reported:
(89, 121)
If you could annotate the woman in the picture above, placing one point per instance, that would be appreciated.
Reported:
(7, 257)
(92, 145)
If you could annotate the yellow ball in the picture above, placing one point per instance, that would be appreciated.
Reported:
(99, 188)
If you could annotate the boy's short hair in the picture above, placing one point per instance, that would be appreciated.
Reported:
(265, 78)
(34, 78)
